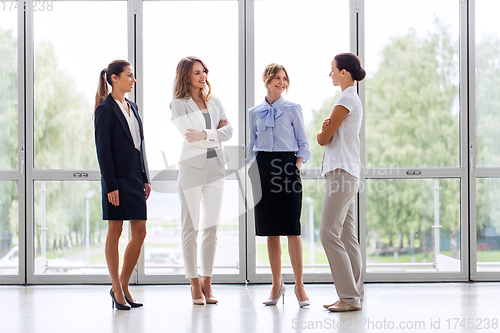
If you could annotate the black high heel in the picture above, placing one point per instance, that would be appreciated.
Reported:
(133, 304)
(114, 303)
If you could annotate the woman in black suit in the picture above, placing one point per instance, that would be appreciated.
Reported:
(125, 180)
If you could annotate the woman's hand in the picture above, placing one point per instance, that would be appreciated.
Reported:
(325, 124)
(299, 162)
(222, 123)
(194, 135)
(332, 124)
(147, 190)
(114, 198)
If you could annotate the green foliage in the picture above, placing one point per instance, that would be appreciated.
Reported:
(487, 208)
(8, 100)
(488, 101)
(63, 135)
(410, 120)
(63, 139)
(410, 100)
(487, 133)
(8, 140)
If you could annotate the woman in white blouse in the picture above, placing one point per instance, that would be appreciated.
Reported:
(202, 122)
(341, 168)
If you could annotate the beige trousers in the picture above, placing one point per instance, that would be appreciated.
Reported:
(200, 191)
(339, 237)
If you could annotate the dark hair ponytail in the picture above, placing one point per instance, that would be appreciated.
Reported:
(116, 67)
(351, 63)
(102, 89)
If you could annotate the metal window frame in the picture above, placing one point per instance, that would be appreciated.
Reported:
(475, 171)
(18, 175)
(467, 172)
(306, 174)
(142, 277)
(33, 175)
(460, 172)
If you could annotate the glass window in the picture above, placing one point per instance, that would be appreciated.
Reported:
(73, 43)
(303, 36)
(173, 30)
(9, 228)
(163, 249)
(8, 85)
(488, 225)
(69, 231)
(412, 83)
(299, 35)
(487, 83)
(413, 225)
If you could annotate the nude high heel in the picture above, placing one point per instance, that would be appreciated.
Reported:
(302, 303)
(209, 298)
(197, 301)
(275, 300)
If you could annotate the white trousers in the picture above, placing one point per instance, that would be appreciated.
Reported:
(200, 191)
(339, 237)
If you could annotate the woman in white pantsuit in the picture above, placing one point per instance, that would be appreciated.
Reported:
(201, 119)
(341, 168)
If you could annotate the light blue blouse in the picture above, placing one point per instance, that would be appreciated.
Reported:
(277, 127)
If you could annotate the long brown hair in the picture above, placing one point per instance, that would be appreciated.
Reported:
(183, 72)
(115, 67)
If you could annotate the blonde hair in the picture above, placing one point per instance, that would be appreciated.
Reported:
(183, 72)
(271, 71)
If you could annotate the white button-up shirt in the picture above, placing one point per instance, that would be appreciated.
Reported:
(132, 122)
(343, 149)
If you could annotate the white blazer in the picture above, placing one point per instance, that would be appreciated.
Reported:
(186, 114)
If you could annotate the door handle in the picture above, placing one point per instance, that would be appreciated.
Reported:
(22, 159)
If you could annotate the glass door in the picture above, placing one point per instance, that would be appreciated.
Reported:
(484, 151)
(168, 31)
(299, 36)
(429, 139)
(414, 205)
(12, 240)
(65, 55)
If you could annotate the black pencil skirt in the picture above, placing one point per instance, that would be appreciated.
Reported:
(277, 212)
(131, 195)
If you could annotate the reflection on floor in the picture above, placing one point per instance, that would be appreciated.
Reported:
(436, 307)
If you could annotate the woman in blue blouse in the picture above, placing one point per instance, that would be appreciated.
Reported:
(278, 146)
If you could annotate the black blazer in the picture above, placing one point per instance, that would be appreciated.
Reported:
(114, 143)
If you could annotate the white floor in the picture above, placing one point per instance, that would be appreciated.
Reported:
(436, 307)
